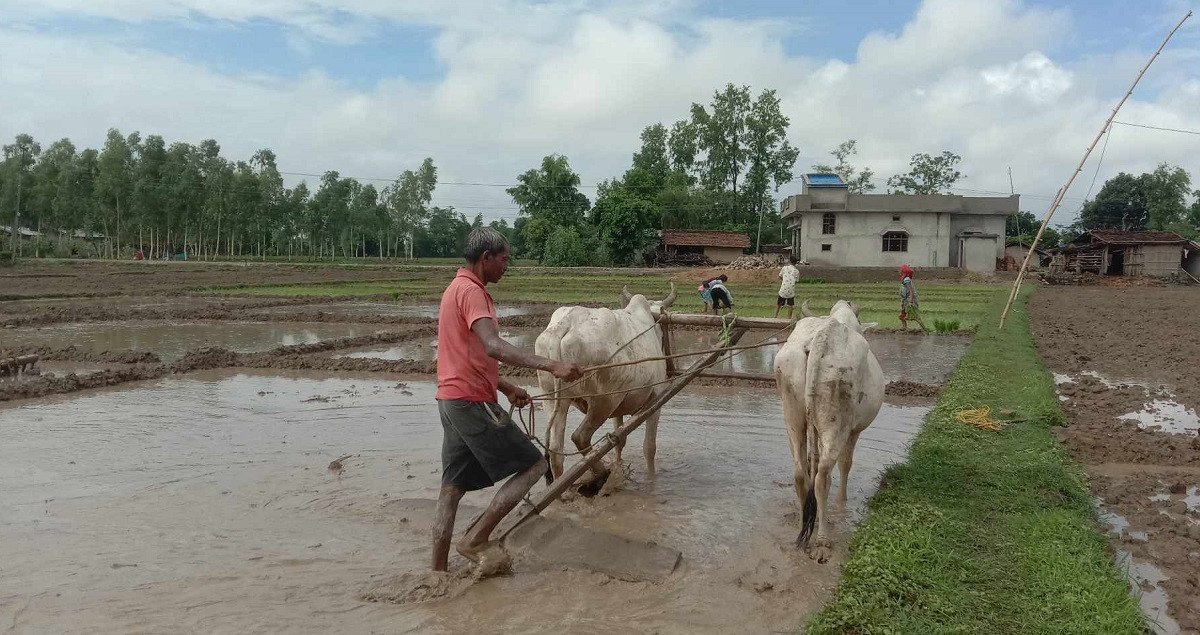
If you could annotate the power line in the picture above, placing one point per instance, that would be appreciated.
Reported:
(1139, 125)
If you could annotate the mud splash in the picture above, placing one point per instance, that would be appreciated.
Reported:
(216, 486)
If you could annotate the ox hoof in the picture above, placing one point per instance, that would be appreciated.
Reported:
(593, 486)
(820, 552)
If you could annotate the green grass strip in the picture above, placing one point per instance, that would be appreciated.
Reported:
(984, 532)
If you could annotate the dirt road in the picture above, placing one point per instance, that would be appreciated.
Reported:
(1127, 360)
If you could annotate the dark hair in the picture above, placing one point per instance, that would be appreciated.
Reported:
(481, 240)
(724, 278)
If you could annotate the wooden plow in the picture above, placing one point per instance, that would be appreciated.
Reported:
(697, 369)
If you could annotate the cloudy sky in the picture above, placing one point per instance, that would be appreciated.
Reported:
(488, 87)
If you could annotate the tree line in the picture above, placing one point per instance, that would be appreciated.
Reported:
(718, 167)
(139, 193)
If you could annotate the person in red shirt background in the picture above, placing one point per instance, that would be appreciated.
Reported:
(481, 444)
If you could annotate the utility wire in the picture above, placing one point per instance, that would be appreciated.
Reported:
(1139, 125)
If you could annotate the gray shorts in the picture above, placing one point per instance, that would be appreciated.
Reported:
(481, 444)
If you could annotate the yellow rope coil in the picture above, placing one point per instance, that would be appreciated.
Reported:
(980, 418)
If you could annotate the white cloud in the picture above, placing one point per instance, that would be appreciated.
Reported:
(972, 76)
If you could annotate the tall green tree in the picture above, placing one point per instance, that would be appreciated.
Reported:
(928, 174)
(19, 158)
(857, 181)
(721, 136)
(652, 158)
(626, 224)
(682, 148)
(47, 177)
(770, 158)
(1120, 204)
(1167, 189)
(549, 196)
(407, 199)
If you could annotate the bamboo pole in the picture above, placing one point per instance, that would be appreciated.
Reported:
(1062, 192)
(599, 450)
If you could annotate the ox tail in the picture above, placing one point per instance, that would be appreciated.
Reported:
(828, 402)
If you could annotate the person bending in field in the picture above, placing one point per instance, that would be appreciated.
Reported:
(788, 275)
(909, 307)
(722, 299)
(481, 445)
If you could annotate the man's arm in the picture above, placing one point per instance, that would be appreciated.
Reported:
(489, 335)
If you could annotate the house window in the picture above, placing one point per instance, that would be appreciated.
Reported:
(895, 241)
(828, 224)
(896, 219)
(826, 247)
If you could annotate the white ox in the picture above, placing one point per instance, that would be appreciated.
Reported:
(831, 387)
(594, 337)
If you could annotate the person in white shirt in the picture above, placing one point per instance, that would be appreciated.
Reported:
(789, 274)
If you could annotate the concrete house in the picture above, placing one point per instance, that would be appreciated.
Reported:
(721, 247)
(832, 227)
(1114, 252)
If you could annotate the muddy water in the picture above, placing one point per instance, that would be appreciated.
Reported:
(926, 360)
(171, 340)
(421, 309)
(426, 349)
(921, 359)
(205, 503)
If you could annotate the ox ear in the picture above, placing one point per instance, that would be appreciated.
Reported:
(854, 307)
(670, 299)
(805, 311)
(866, 326)
(625, 296)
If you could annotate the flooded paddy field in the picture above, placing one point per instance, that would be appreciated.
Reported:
(1127, 381)
(198, 494)
(170, 340)
(925, 360)
(205, 502)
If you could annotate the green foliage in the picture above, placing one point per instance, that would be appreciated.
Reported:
(1024, 226)
(811, 281)
(565, 248)
(549, 197)
(6, 258)
(979, 531)
(626, 222)
(857, 182)
(928, 174)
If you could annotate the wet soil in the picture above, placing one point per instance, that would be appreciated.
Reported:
(1118, 353)
(207, 502)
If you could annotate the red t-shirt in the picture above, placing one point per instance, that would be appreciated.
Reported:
(464, 369)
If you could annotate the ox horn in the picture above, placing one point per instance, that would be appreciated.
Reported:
(805, 311)
(670, 299)
(625, 296)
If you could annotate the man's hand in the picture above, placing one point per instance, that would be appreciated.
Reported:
(567, 371)
(518, 396)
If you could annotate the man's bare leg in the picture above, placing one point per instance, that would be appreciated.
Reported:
(790, 309)
(443, 524)
(505, 500)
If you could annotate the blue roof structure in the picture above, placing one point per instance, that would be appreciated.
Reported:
(817, 179)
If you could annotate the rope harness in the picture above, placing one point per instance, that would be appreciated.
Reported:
(725, 334)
